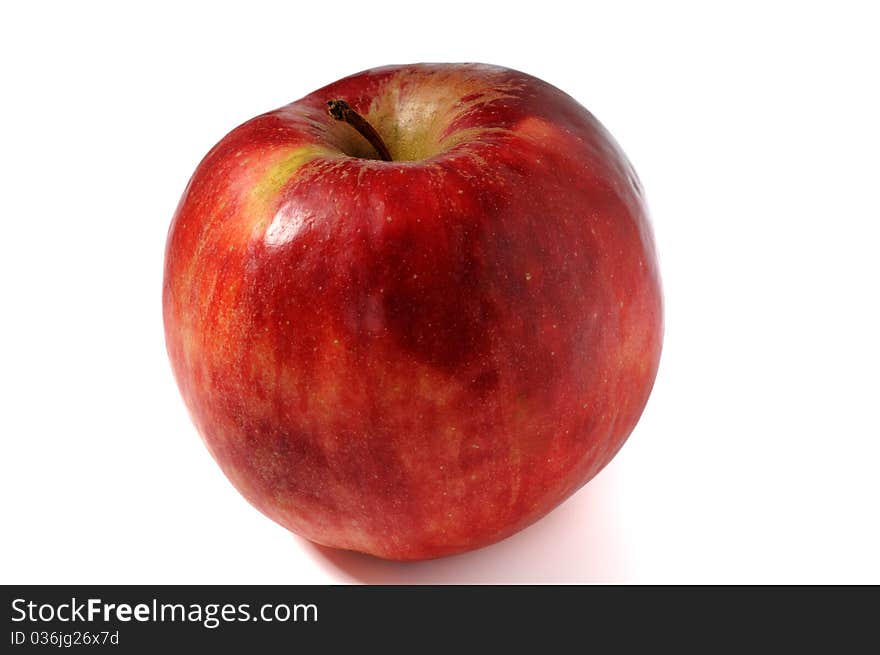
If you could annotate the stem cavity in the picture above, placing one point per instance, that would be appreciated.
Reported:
(342, 111)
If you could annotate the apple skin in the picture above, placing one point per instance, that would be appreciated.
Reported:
(418, 357)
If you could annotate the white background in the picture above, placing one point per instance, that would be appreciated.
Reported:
(755, 132)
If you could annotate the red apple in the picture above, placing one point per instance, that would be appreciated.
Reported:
(420, 356)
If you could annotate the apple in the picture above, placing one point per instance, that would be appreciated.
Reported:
(415, 310)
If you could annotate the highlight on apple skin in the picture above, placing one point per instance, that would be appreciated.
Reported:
(416, 357)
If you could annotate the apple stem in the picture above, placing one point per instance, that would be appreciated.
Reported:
(342, 111)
